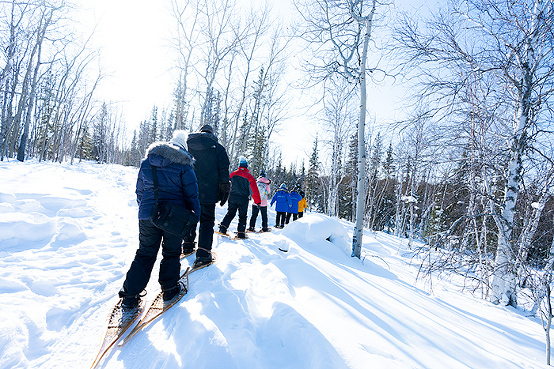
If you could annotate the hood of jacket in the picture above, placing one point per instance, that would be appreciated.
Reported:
(263, 180)
(201, 141)
(162, 154)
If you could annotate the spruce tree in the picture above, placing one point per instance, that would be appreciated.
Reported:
(154, 134)
(85, 145)
(351, 178)
(388, 164)
(313, 194)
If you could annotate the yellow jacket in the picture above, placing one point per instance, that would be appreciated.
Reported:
(302, 205)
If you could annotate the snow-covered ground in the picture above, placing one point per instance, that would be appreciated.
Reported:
(68, 234)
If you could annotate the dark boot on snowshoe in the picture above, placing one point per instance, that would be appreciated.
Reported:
(172, 292)
(241, 235)
(130, 302)
(202, 261)
(188, 248)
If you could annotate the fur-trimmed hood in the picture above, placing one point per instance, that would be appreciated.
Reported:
(169, 153)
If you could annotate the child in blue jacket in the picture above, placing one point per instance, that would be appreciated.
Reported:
(295, 198)
(282, 200)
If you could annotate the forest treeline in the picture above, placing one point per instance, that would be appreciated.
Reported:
(468, 170)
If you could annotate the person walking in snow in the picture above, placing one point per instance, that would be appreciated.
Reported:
(282, 200)
(302, 205)
(293, 205)
(177, 183)
(212, 170)
(264, 188)
(242, 186)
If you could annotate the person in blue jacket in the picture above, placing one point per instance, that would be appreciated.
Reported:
(176, 183)
(282, 200)
(295, 198)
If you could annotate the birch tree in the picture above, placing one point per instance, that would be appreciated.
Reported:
(342, 30)
(510, 43)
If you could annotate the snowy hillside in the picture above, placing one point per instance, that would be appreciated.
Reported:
(68, 235)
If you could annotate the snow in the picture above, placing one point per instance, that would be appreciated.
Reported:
(68, 234)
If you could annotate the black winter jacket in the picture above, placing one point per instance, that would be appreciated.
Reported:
(176, 179)
(211, 165)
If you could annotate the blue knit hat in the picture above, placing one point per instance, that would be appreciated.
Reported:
(243, 162)
(283, 186)
(262, 173)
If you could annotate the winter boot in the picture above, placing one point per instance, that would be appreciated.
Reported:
(188, 247)
(241, 235)
(251, 229)
(130, 302)
(172, 292)
(201, 261)
(222, 229)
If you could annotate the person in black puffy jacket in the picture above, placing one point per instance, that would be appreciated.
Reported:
(212, 170)
(176, 183)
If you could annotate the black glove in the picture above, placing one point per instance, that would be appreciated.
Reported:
(224, 190)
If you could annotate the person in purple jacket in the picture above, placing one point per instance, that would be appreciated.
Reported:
(282, 200)
(176, 183)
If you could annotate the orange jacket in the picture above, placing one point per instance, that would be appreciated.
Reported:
(302, 205)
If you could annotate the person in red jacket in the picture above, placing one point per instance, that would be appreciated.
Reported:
(243, 185)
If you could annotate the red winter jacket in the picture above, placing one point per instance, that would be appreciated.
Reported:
(242, 185)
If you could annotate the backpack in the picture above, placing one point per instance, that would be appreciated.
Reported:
(262, 189)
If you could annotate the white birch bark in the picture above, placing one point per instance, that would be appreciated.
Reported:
(504, 278)
(357, 238)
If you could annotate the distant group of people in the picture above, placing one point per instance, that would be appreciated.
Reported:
(192, 170)
(244, 186)
(288, 204)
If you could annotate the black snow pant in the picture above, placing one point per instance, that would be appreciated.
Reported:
(294, 217)
(280, 219)
(205, 230)
(236, 204)
(254, 216)
(300, 214)
(150, 238)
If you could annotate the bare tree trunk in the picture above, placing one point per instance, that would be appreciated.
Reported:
(41, 32)
(357, 238)
(548, 322)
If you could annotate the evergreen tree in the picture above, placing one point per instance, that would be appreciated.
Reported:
(278, 175)
(313, 188)
(178, 113)
(257, 155)
(100, 135)
(154, 134)
(135, 155)
(166, 126)
(86, 146)
(385, 208)
(388, 164)
(373, 172)
(143, 137)
(348, 204)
